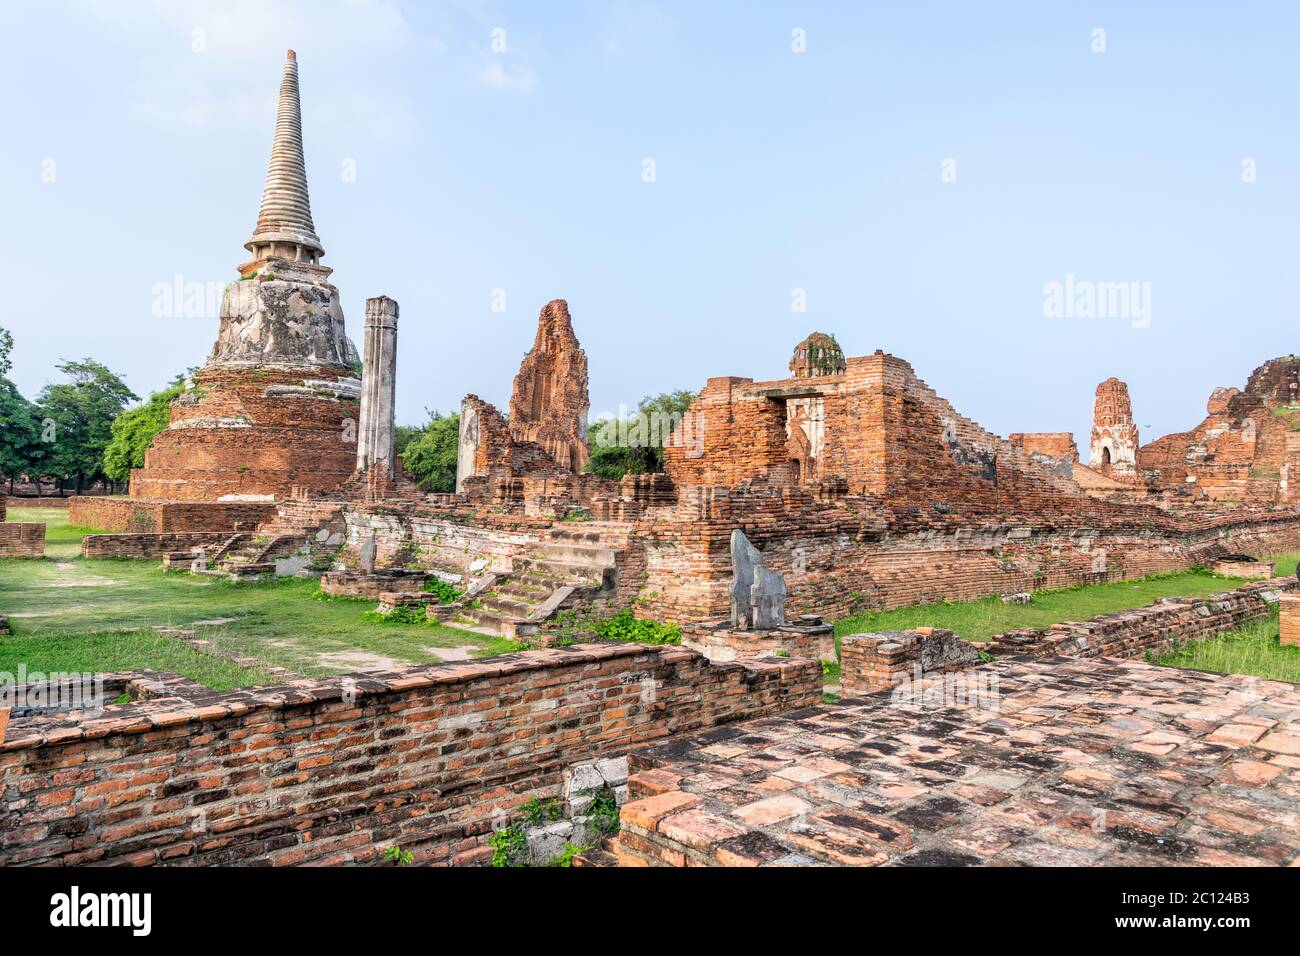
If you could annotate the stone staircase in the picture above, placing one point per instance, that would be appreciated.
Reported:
(570, 565)
(250, 555)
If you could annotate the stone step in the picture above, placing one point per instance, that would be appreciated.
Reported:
(563, 535)
(566, 572)
(593, 554)
(529, 577)
(496, 623)
(527, 587)
(508, 608)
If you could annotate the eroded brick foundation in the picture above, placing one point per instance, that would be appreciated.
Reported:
(21, 539)
(140, 516)
(331, 771)
(149, 545)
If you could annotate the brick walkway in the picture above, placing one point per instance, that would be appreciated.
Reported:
(1083, 762)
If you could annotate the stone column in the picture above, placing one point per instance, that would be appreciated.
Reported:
(378, 387)
(467, 448)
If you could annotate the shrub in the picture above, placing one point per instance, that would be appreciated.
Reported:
(624, 626)
(509, 847)
(602, 813)
(447, 594)
(537, 812)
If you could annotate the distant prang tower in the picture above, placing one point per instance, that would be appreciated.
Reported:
(1114, 436)
(274, 409)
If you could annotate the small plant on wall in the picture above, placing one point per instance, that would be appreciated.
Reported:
(395, 854)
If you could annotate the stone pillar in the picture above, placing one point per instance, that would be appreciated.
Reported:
(378, 387)
(467, 449)
(1289, 609)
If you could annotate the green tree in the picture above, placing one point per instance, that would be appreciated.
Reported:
(6, 347)
(430, 455)
(82, 411)
(404, 434)
(133, 430)
(20, 435)
(635, 444)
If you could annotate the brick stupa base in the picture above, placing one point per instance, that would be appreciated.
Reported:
(238, 439)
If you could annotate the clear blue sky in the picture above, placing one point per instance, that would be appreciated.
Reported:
(775, 170)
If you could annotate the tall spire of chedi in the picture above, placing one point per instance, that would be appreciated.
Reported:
(283, 309)
(284, 224)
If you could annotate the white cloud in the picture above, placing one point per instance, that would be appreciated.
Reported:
(500, 75)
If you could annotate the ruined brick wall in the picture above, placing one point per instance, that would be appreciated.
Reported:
(148, 545)
(332, 771)
(549, 400)
(1155, 628)
(22, 539)
(440, 539)
(726, 437)
(854, 554)
(872, 662)
(1288, 608)
(258, 430)
(1243, 450)
(135, 516)
(51, 501)
(884, 432)
(1058, 446)
(491, 457)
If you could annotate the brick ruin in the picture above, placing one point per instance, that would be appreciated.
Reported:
(549, 403)
(1246, 448)
(859, 484)
(330, 771)
(275, 406)
(1241, 455)
(854, 484)
(1114, 436)
(21, 539)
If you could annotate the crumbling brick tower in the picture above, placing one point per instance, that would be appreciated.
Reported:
(1114, 436)
(549, 402)
(276, 405)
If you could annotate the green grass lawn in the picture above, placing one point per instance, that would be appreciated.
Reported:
(1252, 650)
(67, 612)
(117, 651)
(1286, 563)
(981, 620)
(62, 540)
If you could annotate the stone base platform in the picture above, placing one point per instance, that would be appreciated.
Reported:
(377, 584)
(809, 638)
(1054, 762)
(1245, 567)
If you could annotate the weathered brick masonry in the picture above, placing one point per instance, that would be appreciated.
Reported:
(140, 516)
(21, 539)
(254, 431)
(870, 662)
(908, 502)
(1289, 619)
(49, 501)
(847, 555)
(148, 545)
(306, 773)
